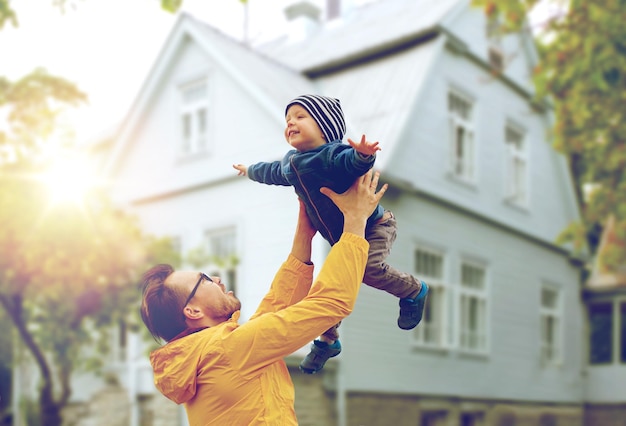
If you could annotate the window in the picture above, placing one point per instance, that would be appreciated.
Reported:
(434, 418)
(223, 255)
(194, 117)
(461, 137)
(550, 325)
(429, 268)
(472, 419)
(601, 333)
(495, 52)
(516, 167)
(473, 308)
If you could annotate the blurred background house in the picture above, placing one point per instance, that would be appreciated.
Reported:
(513, 334)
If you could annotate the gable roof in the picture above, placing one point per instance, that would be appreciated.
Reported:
(273, 74)
(278, 71)
(268, 82)
(368, 29)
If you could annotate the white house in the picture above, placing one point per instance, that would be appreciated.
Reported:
(479, 195)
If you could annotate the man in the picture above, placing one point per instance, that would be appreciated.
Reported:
(231, 374)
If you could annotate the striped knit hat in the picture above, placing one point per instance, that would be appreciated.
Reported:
(326, 112)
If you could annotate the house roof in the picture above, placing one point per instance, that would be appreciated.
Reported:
(275, 73)
(268, 82)
(367, 29)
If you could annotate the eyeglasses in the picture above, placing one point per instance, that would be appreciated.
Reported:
(203, 277)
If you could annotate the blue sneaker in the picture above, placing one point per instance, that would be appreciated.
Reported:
(411, 310)
(320, 353)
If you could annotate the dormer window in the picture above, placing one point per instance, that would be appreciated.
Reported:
(495, 52)
(194, 114)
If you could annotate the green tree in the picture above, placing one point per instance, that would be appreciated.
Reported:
(582, 74)
(69, 271)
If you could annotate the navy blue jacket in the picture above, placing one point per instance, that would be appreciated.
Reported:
(334, 165)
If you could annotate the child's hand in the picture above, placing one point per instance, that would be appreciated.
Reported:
(364, 147)
(243, 170)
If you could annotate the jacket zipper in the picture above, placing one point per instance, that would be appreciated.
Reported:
(330, 235)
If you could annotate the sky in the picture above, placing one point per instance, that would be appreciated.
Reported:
(107, 47)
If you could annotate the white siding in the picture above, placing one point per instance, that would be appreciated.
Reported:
(379, 356)
(423, 159)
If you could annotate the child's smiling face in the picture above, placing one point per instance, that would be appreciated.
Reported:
(302, 131)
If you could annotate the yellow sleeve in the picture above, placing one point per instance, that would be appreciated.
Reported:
(272, 336)
(291, 283)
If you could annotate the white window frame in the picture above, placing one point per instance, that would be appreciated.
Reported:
(462, 149)
(433, 331)
(223, 265)
(517, 174)
(551, 315)
(194, 117)
(473, 341)
(495, 51)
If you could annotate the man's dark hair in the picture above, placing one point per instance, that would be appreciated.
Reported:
(161, 305)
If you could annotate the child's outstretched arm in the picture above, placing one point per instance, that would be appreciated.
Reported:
(364, 146)
(243, 170)
(267, 173)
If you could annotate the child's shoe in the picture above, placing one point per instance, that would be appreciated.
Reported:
(320, 353)
(411, 310)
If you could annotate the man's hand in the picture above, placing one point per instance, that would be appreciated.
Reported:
(243, 170)
(364, 147)
(358, 202)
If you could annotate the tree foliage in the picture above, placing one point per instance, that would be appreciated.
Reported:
(32, 105)
(582, 72)
(68, 272)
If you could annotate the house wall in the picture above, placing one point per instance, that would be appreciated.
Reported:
(516, 243)
(184, 197)
(373, 409)
(424, 161)
(264, 218)
(516, 269)
(239, 131)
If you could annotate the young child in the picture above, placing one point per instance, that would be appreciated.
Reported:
(315, 129)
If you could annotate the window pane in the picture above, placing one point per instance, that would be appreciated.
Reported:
(201, 120)
(601, 333)
(472, 276)
(515, 138)
(548, 298)
(222, 245)
(459, 106)
(186, 129)
(428, 264)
